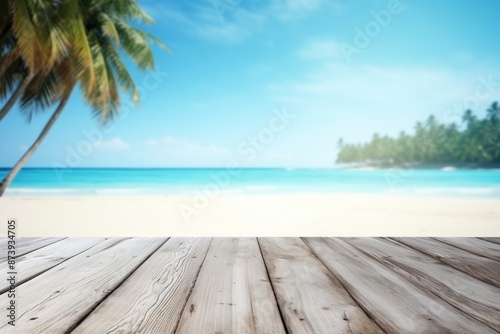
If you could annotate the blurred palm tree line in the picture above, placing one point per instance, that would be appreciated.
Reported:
(476, 142)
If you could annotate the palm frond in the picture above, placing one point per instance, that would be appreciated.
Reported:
(82, 52)
(109, 109)
(108, 27)
(25, 31)
(11, 78)
(135, 45)
(42, 92)
(66, 42)
(127, 10)
(124, 77)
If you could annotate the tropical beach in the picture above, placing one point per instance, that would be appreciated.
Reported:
(264, 215)
(253, 167)
(264, 202)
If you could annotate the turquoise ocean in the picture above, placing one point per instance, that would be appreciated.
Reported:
(34, 182)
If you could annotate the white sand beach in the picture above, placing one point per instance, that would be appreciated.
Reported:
(263, 215)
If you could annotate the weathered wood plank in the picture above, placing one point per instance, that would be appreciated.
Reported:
(494, 240)
(36, 262)
(396, 304)
(19, 241)
(232, 293)
(25, 245)
(485, 269)
(478, 299)
(152, 298)
(475, 245)
(59, 298)
(311, 299)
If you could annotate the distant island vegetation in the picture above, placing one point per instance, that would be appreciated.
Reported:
(472, 144)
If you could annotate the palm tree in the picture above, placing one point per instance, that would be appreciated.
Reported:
(107, 30)
(477, 142)
(33, 32)
(494, 113)
(101, 27)
(468, 117)
(17, 167)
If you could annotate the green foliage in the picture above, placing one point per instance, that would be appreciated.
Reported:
(433, 143)
(54, 45)
(48, 47)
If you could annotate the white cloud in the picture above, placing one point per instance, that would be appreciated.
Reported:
(168, 140)
(114, 144)
(383, 84)
(295, 9)
(386, 84)
(354, 101)
(320, 49)
(206, 21)
(231, 21)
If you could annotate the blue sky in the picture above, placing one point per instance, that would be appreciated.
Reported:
(277, 83)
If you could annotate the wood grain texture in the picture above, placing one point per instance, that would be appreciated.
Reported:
(56, 300)
(152, 298)
(485, 269)
(311, 299)
(232, 293)
(25, 245)
(493, 240)
(474, 297)
(475, 245)
(38, 261)
(19, 241)
(395, 303)
(319, 285)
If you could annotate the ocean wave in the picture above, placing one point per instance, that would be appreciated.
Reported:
(39, 190)
(485, 191)
(17, 192)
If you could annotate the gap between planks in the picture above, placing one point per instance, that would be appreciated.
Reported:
(395, 303)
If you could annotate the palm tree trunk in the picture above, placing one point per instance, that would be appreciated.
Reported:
(13, 172)
(17, 94)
